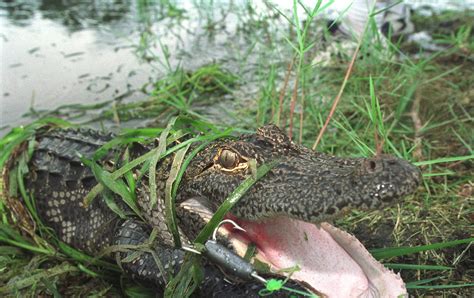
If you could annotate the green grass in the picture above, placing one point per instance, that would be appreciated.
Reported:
(416, 107)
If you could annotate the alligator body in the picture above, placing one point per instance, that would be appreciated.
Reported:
(283, 213)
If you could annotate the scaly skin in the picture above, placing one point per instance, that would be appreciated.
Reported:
(304, 185)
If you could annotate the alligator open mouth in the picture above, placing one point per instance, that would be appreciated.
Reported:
(332, 262)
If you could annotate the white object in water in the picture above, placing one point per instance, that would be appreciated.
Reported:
(396, 17)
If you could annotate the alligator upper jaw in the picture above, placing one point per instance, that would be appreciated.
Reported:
(333, 262)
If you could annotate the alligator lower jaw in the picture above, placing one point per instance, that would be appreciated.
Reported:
(332, 262)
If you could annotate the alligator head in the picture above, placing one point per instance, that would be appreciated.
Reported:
(284, 213)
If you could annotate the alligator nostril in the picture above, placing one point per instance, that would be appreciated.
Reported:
(372, 165)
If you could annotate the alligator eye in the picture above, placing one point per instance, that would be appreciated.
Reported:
(228, 159)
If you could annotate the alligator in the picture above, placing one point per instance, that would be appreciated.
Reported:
(285, 214)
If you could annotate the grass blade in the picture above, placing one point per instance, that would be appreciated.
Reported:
(170, 211)
(384, 253)
(154, 161)
(416, 267)
(443, 160)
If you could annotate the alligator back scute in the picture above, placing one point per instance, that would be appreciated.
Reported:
(58, 182)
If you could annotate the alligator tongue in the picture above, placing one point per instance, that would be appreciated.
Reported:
(332, 261)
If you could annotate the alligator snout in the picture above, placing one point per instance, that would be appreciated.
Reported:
(385, 180)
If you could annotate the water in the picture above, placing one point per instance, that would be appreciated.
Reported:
(50, 58)
(63, 52)
(55, 54)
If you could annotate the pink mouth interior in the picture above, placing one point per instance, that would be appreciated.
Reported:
(333, 262)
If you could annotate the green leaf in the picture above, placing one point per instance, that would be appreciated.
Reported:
(79, 256)
(443, 160)
(35, 277)
(424, 281)
(170, 211)
(129, 175)
(187, 279)
(416, 267)
(20, 134)
(440, 287)
(109, 200)
(12, 237)
(154, 161)
(116, 186)
(21, 171)
(383, 253)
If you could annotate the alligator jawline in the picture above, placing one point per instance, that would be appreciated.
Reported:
(333, 262)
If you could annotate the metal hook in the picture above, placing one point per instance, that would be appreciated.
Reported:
(258, 277)
(189, 249)
(236, 226)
